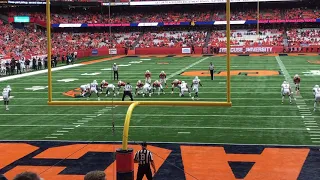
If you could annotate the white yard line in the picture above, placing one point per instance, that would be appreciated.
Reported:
(7, 78)
(304, 112)
(165, 115)
(167, 127)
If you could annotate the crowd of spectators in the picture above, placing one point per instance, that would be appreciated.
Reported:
(303, 37)
(173, 39)
(34, 41)
(272, 37)
(170, 16)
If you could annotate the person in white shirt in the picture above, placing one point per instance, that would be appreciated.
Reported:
(6, 96)
(316, 93)
(286, 91)
(94, 88)
(183, 88)
(195, 87)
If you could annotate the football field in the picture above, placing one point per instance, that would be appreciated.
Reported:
(256, 117)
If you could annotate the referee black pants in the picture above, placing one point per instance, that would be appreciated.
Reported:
(144, 170)
(115, 73)
(211, 73)
(127, 93)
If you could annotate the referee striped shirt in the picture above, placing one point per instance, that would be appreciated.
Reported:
(144, 157)
(127, 87)
(115, 68)
(211, 67)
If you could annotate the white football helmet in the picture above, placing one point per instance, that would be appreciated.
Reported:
(316, 86)
(147, 71)
(103, 81)
(94, 81)
(139, 81)
(8, 87)
(162, 72)
(196, 78)
(285, 82)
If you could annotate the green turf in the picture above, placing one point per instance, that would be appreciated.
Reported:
(257, 116)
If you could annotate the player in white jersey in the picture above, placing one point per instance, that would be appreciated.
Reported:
(195, 87)
(94, 88)
(6, 95)
(3, 68)
(85, 89)
(183, 88)
(316, 93)
(286, 91)
(112, 88)
(146, 90)
(23, 66)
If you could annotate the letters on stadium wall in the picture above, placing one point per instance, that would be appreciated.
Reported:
(113, 51)
(186, 50)
(239, 49)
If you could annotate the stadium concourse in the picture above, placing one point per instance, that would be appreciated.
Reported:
(259, 137)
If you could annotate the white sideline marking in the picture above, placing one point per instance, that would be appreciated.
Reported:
(2, 79)
(62, 131)
(82, 121)
(57, 134)
(183, 132)
(186, 68)
(303, 111)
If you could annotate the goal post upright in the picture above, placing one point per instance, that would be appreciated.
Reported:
(228, 52)
(133, 104)
(49, 49)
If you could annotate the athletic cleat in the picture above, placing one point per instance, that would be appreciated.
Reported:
(98, 99)
(281, 102)
(192, 98)
(7, 109)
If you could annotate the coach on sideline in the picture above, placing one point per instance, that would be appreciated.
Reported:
(211, 69)
(127, 91)
(144, 158)
(115, 69)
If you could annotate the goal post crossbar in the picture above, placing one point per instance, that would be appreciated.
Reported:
(133, 104)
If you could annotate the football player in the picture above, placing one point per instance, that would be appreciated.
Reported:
(296, 80)
(286, 91)
(163, 78)
(157, 85)
(139, 87)
(147, 75)
(103, 85)
(175, 84)
(120, 85)
(85, 89)
(3, 68)
(183, 88)
(6, 95)
(316, 93)
(23, 62)
(110, 87)
(146, 89)
(195, 87)
(94, 88)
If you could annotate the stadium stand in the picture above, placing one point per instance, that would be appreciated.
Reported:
(303, 37)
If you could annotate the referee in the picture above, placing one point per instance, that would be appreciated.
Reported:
(127, 91)
(115, 69)
(211, 69)
(144, 158)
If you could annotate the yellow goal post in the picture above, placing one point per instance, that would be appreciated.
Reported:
(133, 104)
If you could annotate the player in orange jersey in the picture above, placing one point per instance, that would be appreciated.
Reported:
(296, 80)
